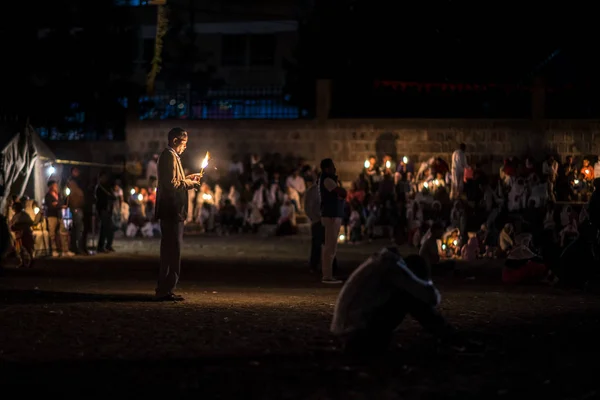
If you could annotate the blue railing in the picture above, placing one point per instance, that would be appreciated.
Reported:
(228, 104)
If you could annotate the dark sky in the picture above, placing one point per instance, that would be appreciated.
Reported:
(449, 40)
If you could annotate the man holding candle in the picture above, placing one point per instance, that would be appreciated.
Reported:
(172, 211)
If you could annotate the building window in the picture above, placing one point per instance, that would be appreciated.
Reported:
(234, 50)
(262, 50)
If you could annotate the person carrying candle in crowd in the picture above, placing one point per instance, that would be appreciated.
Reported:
(332, 199)
(172, 211)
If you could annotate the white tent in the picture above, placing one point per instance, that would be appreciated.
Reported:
(22, 158)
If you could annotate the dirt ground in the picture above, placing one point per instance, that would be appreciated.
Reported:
(255, 325)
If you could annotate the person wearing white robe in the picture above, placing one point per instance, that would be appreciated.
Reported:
(550, 169)
(517, 197)
(459, 163)
(539, 192)
(597, 168)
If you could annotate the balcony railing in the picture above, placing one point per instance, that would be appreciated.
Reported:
(226, 104)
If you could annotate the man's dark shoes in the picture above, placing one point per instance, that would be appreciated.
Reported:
(110, 250)
(169, 297)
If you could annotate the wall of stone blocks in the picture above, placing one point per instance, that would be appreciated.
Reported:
(349, 142)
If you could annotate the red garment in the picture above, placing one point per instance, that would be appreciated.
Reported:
(529, 272)
(358, 195)
(468, 173)
(509, 168)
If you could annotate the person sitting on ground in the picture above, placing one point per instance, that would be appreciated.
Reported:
(376, 298)
(21, 224)
(522, 264)
(470, 251)
(227, 215)
(286, 225)
(432, 250)
(505, 241)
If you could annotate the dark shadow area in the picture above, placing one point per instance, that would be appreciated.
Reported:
(540, 358)
(12, 296)
(386, 144)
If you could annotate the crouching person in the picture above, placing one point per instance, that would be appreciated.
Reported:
(377, 297)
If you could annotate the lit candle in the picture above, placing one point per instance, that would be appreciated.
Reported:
(204, 162)
(36, 210)
(132, 191)
(388, 164)
(140, 197)
(426, 185)
(587, 171)
(455, 242)
(367, 164)
(68, 191)
(405, 159)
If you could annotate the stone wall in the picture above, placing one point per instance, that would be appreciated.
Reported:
(349, 142)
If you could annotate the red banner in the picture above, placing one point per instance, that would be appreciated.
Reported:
(460, 87)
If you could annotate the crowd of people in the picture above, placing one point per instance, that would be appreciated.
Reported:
(448, 210)
(253, 192)
(457, 210)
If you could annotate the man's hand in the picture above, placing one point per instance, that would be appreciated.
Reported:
(195, 177)
(197, 185)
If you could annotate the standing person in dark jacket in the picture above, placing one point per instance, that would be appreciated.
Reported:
(333, 197)
(76, 204)
(104, 205)
(312, 207)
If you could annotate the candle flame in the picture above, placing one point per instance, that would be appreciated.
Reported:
(205, 161)
(367, 164)
(388, 164)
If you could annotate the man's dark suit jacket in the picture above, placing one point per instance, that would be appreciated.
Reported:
(172, 194)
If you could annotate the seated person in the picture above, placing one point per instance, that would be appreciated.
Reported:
(471, 250)
(286, 225)
(505, 241)
(377, 297)
(522, 264)
(432, 250)
(227, 216)
(21, 224)
(451, 243)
